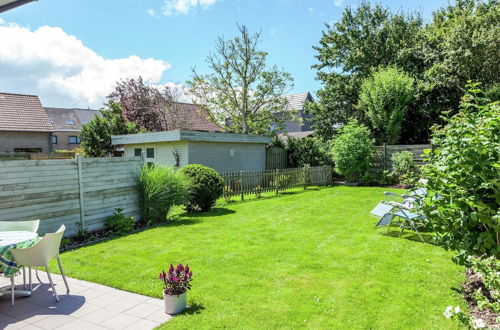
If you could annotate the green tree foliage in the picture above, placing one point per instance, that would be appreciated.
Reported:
(461, 43)
(95, 136)
(464, 178)
(205, 186)
(351, 151)
(364, 38)
(241, 92)
(308, 151)
(385, 98)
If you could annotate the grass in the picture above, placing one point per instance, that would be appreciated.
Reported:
(305, 260)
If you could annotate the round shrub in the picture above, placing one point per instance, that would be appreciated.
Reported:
(352, 150)
(160, 188)
(206, 185)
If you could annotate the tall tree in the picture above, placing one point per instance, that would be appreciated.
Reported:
(95, 136)
(241, 93)
(385, 98)
(366, 37)
(151, 107)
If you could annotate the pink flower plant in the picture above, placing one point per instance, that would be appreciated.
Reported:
(177, 280)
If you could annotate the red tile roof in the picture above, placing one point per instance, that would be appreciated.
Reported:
(19, 112)
(195, 118)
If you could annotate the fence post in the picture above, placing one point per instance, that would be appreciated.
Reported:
(276, 174)
(80, 188)
(385, 156)
(241, 186)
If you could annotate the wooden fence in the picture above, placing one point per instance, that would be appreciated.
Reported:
(68, 191)
(382, 154)
(257, 182)
(276, 158)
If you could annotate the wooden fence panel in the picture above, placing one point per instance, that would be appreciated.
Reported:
(381, 157)
(276, 158)
(257, 182)
(65, 191)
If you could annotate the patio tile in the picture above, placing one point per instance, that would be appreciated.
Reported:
(53, 321)
(106, 300)
(142, 310)
(82, 310)
(159, 316)
(30, 327)
(120, 321)
(6, 320)
(18, 325)
(122, 305)
(99, 315)
(143, 324)
(78, 324)
(155, 302)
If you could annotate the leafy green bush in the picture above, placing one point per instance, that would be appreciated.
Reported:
(404, 168)
(464, 172)
(307, 151)
(119, 224)
(378, 178)
(160, 188)
(351, 151)
(206, 185)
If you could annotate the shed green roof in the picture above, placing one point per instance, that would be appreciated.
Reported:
(184, 135)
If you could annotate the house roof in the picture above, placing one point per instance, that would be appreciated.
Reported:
(297, 101)
(64, 119)
(185, 135)
(194, 117)
(19, 112)
(297, 135)
(9, 4)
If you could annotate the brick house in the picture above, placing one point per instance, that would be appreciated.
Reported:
(67, 124)
(24, 125)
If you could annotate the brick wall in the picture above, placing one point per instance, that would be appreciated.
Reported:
(12, 140)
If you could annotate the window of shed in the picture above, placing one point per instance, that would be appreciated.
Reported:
(150, 152)
(69, 122)
(137, 152)
(231, 152)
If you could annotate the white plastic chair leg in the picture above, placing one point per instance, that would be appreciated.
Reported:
(62, 273)
(29, 277)
(51, 283)
(12, 291)
(38, 276)
(24, 278)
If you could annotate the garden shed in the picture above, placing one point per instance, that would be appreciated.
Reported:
(225, 152)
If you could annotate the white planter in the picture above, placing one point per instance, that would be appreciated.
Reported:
(174, 304)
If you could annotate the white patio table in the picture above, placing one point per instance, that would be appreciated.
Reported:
(11, 240)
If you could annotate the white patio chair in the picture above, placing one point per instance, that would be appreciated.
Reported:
(30, 225)
(39, 255)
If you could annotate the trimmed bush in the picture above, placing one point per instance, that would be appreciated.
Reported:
(119, 224)
(307, 151)
(351, 151)
(160, 188)
(404, 167)
(206, 185)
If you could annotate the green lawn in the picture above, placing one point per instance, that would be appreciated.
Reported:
(305, 260)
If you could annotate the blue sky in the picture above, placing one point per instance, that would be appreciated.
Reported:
(180, 37)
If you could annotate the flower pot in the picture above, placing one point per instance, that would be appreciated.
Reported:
(174, 304)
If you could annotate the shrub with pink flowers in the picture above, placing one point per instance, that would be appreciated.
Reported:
(177, 280)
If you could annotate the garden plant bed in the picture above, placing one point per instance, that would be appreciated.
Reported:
(313, 258)
(473, 283)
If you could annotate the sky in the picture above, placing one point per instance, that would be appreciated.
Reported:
(72, 52)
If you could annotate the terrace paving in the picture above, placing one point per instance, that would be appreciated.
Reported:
(88, 306)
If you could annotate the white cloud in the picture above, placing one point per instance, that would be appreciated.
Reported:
(1, 21)
(171, 7)
(151, 12)
(60, 69)
(338, 3)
